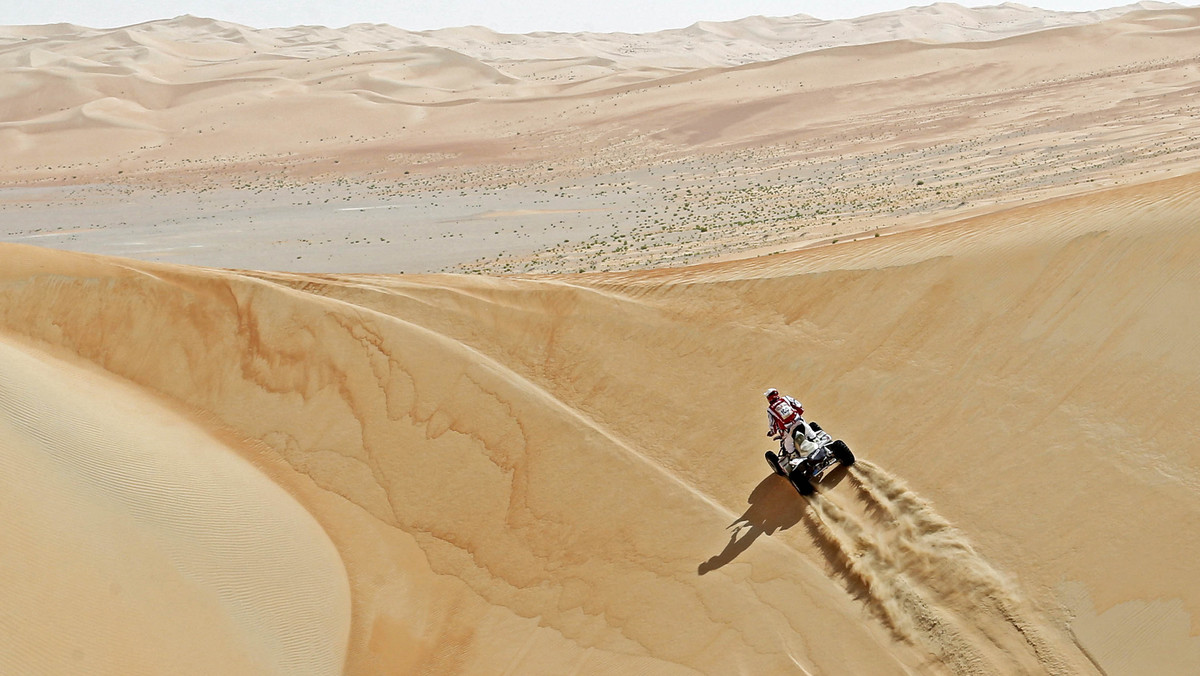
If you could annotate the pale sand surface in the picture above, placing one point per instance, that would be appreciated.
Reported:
(308, 471)
(135, 543)
(551, 473)
(206, 143)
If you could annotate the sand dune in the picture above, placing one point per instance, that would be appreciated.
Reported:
(265, 463)
(139, 544)
(201, 76)
(712, 43)
(544, 474)
(629, 161)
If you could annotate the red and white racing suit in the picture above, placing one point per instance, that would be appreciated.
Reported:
(784, 415)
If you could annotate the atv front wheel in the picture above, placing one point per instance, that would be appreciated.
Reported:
(773, 461)
(842, 452)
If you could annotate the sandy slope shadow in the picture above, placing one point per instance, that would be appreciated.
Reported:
(774, 505)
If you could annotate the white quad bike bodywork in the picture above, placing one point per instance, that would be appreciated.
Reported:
(816, 453)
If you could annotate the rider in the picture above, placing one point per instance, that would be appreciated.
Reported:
(784, 414)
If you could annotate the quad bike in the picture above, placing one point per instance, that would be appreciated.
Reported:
(816, 452)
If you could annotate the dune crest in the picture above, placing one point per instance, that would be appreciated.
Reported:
(963, 238)
(192, 78)
(508, 474)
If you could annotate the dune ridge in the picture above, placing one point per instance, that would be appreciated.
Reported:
(715, 43)
(963, 238)
(510, 479)
(185, 77)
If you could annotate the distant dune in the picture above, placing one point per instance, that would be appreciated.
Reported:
(368, 149)
(188, 89)
(965, 239)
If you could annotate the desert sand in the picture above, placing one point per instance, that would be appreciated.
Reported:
(234, 440)
(361, 150)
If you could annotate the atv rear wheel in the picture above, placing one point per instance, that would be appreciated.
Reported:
(773, 461)
(802, 484)
(842, 452)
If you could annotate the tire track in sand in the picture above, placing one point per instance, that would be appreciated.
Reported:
(929, 585)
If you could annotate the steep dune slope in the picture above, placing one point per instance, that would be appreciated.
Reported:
(487, 523)
(136, 543)
(543, 474)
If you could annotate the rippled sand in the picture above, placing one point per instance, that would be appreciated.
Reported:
(552, 473)
(288, 468)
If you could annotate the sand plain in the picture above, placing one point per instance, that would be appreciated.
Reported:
(301, 467)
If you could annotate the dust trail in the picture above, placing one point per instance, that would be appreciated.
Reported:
(904, 606)
(945, 569)
(929, 544)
